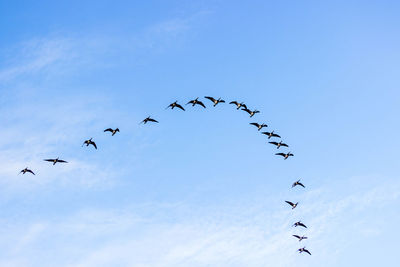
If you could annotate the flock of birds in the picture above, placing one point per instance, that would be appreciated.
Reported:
(194, 102)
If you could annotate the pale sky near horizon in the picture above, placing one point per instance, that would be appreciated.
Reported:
(202, 187)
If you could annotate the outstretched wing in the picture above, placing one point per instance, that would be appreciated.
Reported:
(302, 224)
(266, 133)
(221, 101)
(290, 154)
(179, 106)
(306, 251)
(190, 102)
(153, 120)
(30, 172)
(290, 203)
(280, 154)
(276, 135)
(274, 143)
(247, 110)
(283, 144)
(50, 160)
(297, 236)
(94, 144)
(201, 104)
(108, 130)
(255, 124)
(62, 161)
(301, 185)
(211, 98)
(234, 102)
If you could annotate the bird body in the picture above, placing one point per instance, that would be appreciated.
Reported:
(112, 131)
(148, 119)
(238, 105)
(251, 113)
(294, 205)
(175, 105)
(259, 126)
(55, 161)
(297, 183)
(89, 142)
(26, 170)
(196, 102)
(278, 145)
(300, 250)
(271, 134)
(299, 223)
(300, 237)
(285, 155)
(215, 101)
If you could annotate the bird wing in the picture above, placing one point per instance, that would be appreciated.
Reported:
(297, 236)
(247, 110)
(179, 106)
(51, 160)
(306, 251)
(62, 161)
(283, 144)
(210, 98)
(274, 143)
(255, 124)
(108, 130)
(301, 184)
(30, 172)
(153, 120)
(256, 111)
(201, 104)
(301, 224)
(244, 105)
(94, 144)
(221, 101)
(280, 154)
(234, 102)
(290, 203)
(276, 135)
(266, 133)
(290, 154)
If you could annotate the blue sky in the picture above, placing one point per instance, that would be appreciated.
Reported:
(202, 187)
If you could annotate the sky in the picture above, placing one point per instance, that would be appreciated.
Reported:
(201, 187)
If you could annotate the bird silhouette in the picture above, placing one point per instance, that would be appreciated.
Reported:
(285, 155)
(89, 142)
(26, 170)
(215, 101)
(112, 131)
(238, 105)
(299, 223)
(278, 145)
(251, 113)
(56, 160)
(196, 102)
(271, 134)
(259, 126)
(298, 183)
(175, 105)
(147, 120)
(303, 249)
(300, 237)
(292, 204)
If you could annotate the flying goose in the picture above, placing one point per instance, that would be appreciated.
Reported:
(278, 145)
(196, 102)
(112, 131)
(238, 105)
(300, 237)
(147, 120)
(292, 204)
(299, 223)
(271, 134)
(251, 113)
(26, 170)
(175, 105)
(298, 183)
(89, 142)
(215, 101)
(56, 160)
(285, 156)
(259, 126)
(303, 249)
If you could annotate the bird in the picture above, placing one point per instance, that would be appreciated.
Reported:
(196, 102)
(303, 249)
(297, 183)
(259, 126)
(251, 113)
(300, 237)
(112, 131)
(215, 101)
(89, 142)
(299, 223)
(278, 145)
(147, 120)
(175, 105)
(285, 156)
(56, 160)
(26, 170)
(271, 134)
(238, 105)
(292, 204)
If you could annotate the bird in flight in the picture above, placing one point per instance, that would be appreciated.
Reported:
(215, 101)
(300, 237)
(89, 142)
(278, 145)
(285, 156)
(175, 105)
(292, 204)
(251, 113)
(303, 249)
(196, 102)
(271, 134)
(238, 105)
(298, 183)
(299, 223)
(112, 131)
(259, 126)
(26, 170)
(147, 120)
(56, 160)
